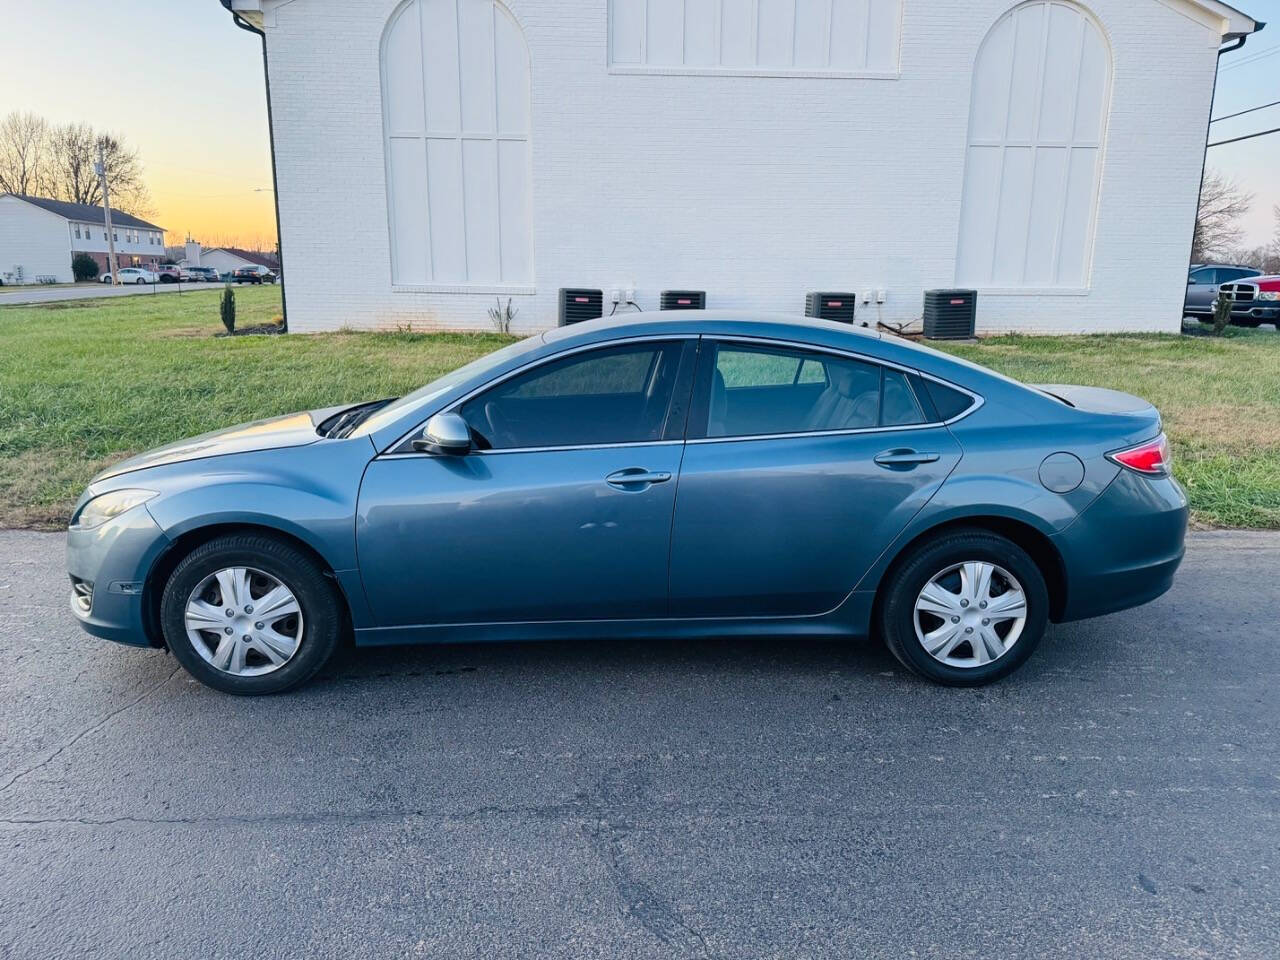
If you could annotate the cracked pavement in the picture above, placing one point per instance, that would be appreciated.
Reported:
(1118, 797)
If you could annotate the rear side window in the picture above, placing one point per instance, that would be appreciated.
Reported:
(949, 403)
(750, 391)
(899, 406)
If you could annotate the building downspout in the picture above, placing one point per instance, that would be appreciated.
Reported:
(244, 24)
(1208, 129)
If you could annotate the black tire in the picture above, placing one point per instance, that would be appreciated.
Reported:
(910, 574)
(322, 610)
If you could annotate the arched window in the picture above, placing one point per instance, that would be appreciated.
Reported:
(839, 37)
(1037, 126)
(455, 102)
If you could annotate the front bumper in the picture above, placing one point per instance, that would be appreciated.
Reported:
(114, 560)
(1124, 550)
(1263, 311)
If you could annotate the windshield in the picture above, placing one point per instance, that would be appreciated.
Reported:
(423, 397)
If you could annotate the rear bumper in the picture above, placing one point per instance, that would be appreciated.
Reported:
(1124, 550)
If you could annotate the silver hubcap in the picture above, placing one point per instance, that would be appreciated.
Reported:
(244, 622)
(970, 614)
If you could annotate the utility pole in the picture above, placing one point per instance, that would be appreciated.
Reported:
(100, 168)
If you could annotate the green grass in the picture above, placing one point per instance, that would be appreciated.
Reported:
(83, 383)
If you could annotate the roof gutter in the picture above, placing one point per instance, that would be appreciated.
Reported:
(1235, 45)
(244, 24)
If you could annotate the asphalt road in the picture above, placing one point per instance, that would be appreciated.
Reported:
(35, 293)
(1119, 797)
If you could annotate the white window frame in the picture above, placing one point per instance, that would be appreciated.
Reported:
(1035, 143)
(645, 69)
(501, 288)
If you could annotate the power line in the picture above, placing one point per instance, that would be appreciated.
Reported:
(1247, 136)
(1245, 61)
(1273, 103)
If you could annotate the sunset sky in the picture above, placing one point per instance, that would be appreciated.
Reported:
(181, 83)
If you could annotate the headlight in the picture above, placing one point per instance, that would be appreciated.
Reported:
(1269, 295)
(102, 508)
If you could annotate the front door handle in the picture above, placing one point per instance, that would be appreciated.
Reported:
(904, 458)
(634, 477)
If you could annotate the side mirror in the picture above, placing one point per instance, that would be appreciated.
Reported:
(446, 434)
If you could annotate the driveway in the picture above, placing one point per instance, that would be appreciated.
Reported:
(88, 291)
(1119, 797)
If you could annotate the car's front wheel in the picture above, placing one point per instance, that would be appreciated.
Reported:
(964, 609)
(250, 614)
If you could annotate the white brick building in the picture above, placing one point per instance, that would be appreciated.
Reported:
(447, 152)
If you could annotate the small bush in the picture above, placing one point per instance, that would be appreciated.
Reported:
(84, 267)
(227, 308)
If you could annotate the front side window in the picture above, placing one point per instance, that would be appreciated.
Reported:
(1204, 276)
(761, 391)
(614, 395)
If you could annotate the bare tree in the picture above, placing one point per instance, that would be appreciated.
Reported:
(73, 151)
(24, 144)
(1222, 203)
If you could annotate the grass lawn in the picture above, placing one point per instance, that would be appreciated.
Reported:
(83, 383)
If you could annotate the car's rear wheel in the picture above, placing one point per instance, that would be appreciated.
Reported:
(250, 614)
(965, 608)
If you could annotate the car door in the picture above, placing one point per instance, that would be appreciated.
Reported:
(562, 511)
(799, 469)
(1202, 290)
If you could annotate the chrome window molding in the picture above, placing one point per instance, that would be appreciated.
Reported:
(392, 451)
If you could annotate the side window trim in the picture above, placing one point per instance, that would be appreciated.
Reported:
(699, 408)
(403, 447)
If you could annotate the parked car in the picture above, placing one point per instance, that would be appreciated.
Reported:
(1253, 301)
(199, 274)
(684, 475)
(134, 275)
(1203, 282)
(253, 274)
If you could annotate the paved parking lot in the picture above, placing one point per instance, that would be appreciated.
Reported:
(1120, 797)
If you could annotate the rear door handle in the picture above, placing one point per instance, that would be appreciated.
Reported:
(904, 458)
(636, 476)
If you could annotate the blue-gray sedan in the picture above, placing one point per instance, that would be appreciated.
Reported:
(690, 474)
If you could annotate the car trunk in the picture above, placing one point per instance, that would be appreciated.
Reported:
(1135, 419)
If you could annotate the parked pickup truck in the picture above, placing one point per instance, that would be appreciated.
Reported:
(1253, 301)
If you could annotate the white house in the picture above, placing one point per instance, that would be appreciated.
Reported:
(38, 238)
(226, 259)
(446, 152)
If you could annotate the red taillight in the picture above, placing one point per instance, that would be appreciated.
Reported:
(1151, 458)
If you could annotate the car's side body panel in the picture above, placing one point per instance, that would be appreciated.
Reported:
(785, 526)
(516, 535)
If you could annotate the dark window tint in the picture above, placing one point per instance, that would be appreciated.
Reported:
(948, 402)
(1204, 276)
(615, 395)
(758, 391)
(899, 407)
(1226, 276)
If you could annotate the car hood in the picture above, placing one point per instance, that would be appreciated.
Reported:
(291, 430)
